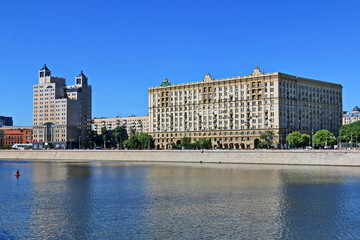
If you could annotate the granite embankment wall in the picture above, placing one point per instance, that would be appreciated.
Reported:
(288, 157)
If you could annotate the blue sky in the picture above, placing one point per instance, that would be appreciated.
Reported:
(125, 47)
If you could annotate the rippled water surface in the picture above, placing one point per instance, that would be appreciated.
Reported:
(187, 201)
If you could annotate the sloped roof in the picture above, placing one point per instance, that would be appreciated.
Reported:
(165, 83)
(45, 68)
(81, 74)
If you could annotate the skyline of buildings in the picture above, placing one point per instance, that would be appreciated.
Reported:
(232, 112)
(111, 59)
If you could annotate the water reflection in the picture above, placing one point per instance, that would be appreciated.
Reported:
(254, 202)
(60, 200)
(178, 201)
(218, 202)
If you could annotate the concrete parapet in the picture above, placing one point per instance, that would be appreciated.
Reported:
(297, 157)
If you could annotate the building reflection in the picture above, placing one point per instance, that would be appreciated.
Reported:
(190, 201)
(60, 197)
(252, 201)
(245, 200)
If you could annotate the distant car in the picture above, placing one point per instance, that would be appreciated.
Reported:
(98, 147)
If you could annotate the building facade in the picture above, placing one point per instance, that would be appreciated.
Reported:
(12, 135)
(233, 112)
(61, 113)
(1, 138)
(354, 116)
(6, 121)
(138, 123)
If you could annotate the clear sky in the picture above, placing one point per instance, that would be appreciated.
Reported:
(125, 47)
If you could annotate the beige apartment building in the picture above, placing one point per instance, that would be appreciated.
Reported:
(61, 113)
(233, 112)
(354, 116)
(138, 123)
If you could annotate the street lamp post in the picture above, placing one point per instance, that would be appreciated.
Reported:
(327, 139)
(312, 138)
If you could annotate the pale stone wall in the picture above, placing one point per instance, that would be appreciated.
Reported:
(328, 157)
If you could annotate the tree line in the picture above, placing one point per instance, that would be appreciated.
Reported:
(349, 135)
(119, 138)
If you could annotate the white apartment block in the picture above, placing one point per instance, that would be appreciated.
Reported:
(61, 113)
(233, 112)
(137, 123)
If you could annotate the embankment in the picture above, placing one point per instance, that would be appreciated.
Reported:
(288, 157)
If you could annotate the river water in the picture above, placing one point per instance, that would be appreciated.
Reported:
(177, 201)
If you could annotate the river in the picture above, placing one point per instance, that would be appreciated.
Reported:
(112, 200)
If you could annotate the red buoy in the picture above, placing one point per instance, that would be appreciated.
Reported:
(17, 173)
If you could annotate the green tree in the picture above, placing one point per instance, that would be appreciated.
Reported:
(186, 142)
(323, 138)
(94, 140)
(350, 132)
(120, 135)
(294, 139)
(267, 138)
(132, 143)
(305, 139)
(139, 141)
(203, 143)
(104, 134)
(126, 143)
(145, 141)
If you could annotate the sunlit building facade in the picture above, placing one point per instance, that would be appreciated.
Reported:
(354, 116)
(137, 123)
(13, 135)
(61, 113)
(233, 112)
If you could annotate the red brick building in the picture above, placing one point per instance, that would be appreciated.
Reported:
(12, 135)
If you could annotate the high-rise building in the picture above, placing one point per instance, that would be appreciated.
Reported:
(354, 116)
(233, 112)
(61, 113)
(6, 121)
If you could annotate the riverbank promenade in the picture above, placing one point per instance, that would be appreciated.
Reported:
(281, 157)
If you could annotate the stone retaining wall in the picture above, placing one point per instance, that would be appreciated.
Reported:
(289, 157)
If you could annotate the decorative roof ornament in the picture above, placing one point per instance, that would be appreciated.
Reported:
(45, 68)
(356, 109)
(207, 77)
(81, 74)
(165, 83)
(257, 72)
